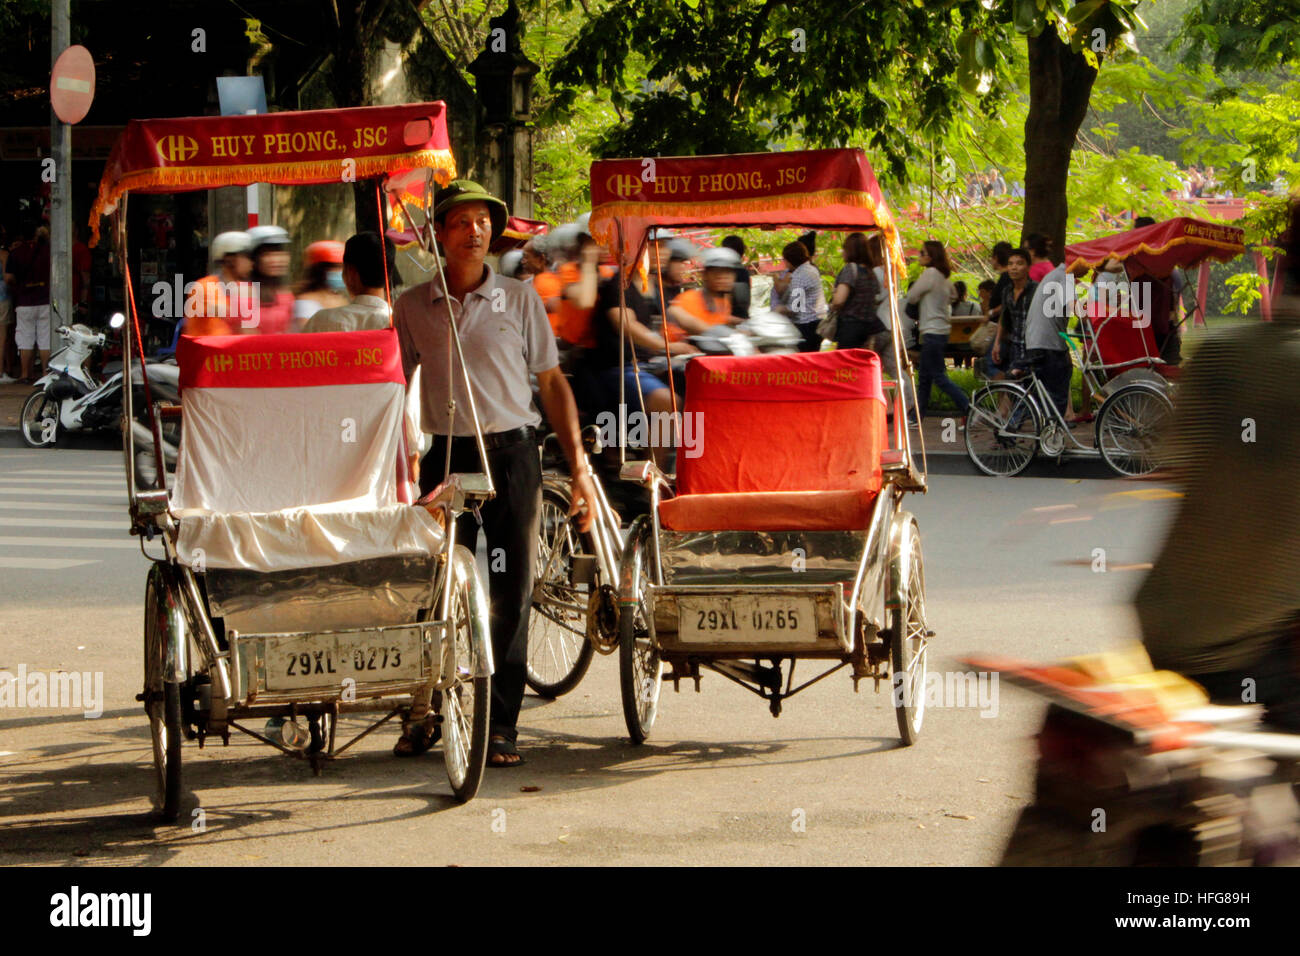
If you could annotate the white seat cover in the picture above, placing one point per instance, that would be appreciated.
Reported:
(293, 454)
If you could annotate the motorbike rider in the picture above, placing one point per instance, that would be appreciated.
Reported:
(269, 247)
(578, 274)
(534, 259)
(696, 310)
(219, 300)
(610, 365)
(673, 257)
(1222, 602)
(740, 293)
(322, 284)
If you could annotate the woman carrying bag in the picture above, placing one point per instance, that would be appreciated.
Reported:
(932, 293)
(856, 297)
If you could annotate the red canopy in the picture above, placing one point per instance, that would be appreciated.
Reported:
(1158, 249)
(517, 232)
(818, 188)
(293, 149)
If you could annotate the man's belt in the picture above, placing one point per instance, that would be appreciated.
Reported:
(498, 439)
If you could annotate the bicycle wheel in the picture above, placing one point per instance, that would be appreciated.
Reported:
(465, 705)
(640, 669)
(909, 637)
(162, 704)
(1002, 429)
(558, 650)
(1129, 428)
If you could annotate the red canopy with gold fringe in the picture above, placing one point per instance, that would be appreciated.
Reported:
(292, 149)
(816, 188)
(1158, 249)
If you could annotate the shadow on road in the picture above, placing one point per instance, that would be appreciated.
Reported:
(64, 803)
(1075, 468)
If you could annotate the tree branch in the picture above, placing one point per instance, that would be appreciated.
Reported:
(755, 37)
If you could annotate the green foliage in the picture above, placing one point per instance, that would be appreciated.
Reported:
(1246, 292)
(723, 76)
(1249, 133)
(1241, 34)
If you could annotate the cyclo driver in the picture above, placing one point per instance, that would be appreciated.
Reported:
(505, 336)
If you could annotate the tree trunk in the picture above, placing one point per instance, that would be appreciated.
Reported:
(1060, 85)
(349, 83)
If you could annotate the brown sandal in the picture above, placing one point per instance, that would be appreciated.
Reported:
(417, 739)
(504, 748)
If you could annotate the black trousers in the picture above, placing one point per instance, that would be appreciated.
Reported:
(510, 527)
(1054, 368)
(812, 342)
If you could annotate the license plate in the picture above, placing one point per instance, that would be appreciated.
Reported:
(324, 660)
(746, 619)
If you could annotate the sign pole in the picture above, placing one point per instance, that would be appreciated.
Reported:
(252, 193)
(60, 190)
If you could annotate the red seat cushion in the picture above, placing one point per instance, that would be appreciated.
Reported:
(786, 442)
(769, 511)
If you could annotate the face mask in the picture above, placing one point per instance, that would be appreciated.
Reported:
(334, 281)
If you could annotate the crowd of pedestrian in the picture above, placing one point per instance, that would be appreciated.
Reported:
(343, 286)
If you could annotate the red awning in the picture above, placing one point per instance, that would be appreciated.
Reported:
(517, 232)
(820, 188)
(1158, 249)
(293, 149)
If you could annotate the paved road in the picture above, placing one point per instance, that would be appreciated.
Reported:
(1008, 566)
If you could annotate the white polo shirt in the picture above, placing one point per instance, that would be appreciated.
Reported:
(505, 336)
(363, 312)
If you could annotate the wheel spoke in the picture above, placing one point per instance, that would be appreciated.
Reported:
(1000, 430)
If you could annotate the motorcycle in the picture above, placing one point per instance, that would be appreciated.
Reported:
(69, 398)
(1136, 768)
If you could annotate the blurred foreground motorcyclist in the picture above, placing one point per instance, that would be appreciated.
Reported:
(1222, 601)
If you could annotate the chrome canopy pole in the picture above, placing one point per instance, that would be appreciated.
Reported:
(454, 329)
(128, 392)
(904, 366)
(622, 353)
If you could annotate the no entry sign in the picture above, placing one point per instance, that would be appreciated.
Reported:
(72, 84)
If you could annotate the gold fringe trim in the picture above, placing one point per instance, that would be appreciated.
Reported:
(214, 177)
(602, 226)
(1236, 248)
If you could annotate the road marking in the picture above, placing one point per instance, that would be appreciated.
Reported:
(42, 564)
(68, 492)
(21, 542)
(120, 525)
(81, 482)
(103, 472)
(78, 507)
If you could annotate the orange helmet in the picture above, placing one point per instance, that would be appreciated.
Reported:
(326, 250)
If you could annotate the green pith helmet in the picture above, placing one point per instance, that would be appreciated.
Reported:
(460, 191)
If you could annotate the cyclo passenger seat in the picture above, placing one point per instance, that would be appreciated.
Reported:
(1122, 340)
(292, 463)
(786, 443)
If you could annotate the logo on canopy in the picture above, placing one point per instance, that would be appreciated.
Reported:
(624, 185)
(177, 149)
